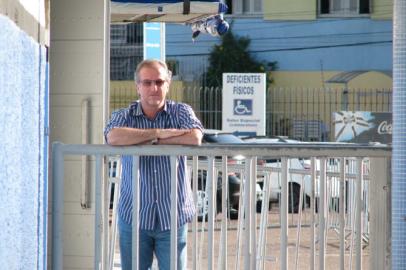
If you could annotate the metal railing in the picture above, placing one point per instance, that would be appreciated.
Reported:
(251, 234)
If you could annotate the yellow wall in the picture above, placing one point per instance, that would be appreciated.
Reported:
(370, 80)
(290, 9)
(307, 9)
(382, 9)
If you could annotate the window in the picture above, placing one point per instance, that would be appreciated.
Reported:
(126, 50)
(245, 7)
(344, 7)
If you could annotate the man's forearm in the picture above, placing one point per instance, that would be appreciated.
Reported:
(193, 137)
(131, 136)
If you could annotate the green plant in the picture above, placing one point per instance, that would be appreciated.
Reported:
(232, 55)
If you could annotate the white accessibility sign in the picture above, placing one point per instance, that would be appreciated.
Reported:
(244, 103)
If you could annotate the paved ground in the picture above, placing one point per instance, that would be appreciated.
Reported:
(300, 260)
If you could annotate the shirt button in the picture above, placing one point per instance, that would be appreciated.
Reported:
(155, 171)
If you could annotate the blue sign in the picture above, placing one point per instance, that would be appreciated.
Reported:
(242, 107)
(154, 44)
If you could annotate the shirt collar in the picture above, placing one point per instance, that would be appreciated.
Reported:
(137, 110)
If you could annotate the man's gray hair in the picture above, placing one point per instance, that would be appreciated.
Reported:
(151, 63)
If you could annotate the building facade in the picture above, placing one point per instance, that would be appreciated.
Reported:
(310, 40)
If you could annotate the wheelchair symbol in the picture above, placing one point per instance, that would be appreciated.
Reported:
(243, 107)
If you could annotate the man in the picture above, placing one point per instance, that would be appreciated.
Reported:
(154, 120)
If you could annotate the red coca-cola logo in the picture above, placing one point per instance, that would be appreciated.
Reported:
(385, 128)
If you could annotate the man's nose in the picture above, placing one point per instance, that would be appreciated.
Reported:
(154, 86)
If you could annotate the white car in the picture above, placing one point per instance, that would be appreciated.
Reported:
(296, 180)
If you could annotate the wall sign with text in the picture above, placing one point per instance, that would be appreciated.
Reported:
(244, 103)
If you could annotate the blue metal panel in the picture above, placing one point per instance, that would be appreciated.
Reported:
(23, 187)
(399, 138)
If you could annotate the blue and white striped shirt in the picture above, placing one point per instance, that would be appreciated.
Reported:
(155, 171)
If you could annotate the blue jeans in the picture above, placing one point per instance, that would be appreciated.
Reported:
(151, 241)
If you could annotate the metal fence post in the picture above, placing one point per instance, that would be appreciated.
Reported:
(211, 187)
(284, 214)
(380, 215)
(57, 205)
(174, 212)
(136, 214)
(322, 214)
(358, 214)
(98, 224)
(195, 174)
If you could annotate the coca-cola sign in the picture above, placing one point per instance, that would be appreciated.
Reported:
(385, 128)
(362, 127)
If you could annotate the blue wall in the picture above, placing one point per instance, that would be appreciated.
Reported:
(23, 177)
(340, 44)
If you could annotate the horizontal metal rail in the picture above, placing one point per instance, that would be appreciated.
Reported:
(260, 150)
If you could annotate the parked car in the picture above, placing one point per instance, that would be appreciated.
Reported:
(234, 181)
(295, 181)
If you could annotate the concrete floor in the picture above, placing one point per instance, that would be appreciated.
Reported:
(272, 261)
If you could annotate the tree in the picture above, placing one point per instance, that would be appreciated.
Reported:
(232, 56)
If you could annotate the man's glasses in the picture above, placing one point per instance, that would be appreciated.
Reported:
(149, 83)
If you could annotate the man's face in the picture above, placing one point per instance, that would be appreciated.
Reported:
(153, 85)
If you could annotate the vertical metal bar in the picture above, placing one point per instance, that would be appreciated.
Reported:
(352, 217)
(174, 213)
(106, 60)
(322, 214)
(380, 209)
(195, 173)
(284, 214)
(114, 177)
(136, 213)
(105, 215)
(240, 219)
(299, 223)
(253, 225)
(313, 213)
(205, 185)
(342, 213)
(247, 214)
(84, 195)
(114, 223)
(98, 224)
(210, 223)
(57, 205)
(358, 227)
(224, 186)
(106, 113)
(111, 181)
(264, 221)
